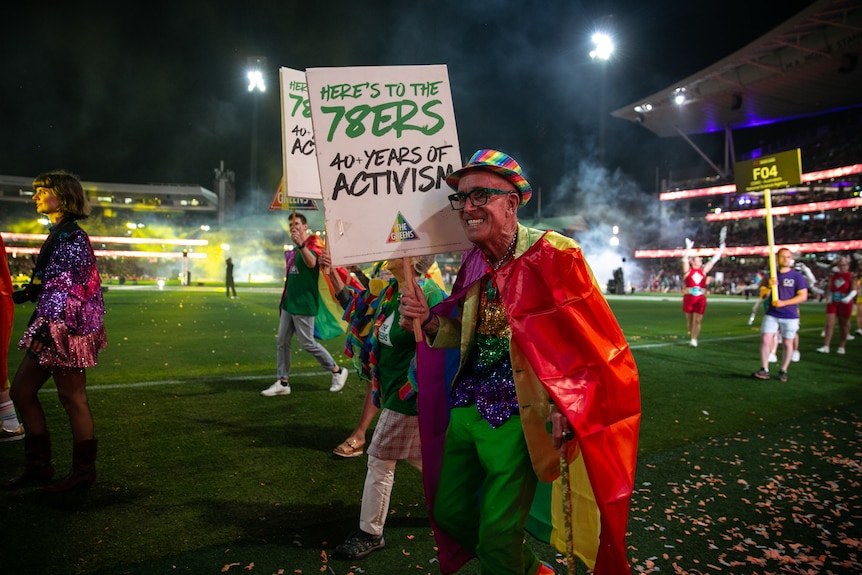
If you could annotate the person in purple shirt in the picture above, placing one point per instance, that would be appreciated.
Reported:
(64, 335)
(782, 315)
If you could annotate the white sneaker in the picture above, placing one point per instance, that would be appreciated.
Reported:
(277, 388)
(824, 349)
(796, 356)
(773, 358)
(840, 351)
(850, 337)
(693, 342)
(859, 331)
(339, 378)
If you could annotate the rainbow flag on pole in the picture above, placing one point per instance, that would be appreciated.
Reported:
(328, 322)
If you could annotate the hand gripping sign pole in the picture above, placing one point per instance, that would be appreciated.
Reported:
(411, 285)
(770, 240)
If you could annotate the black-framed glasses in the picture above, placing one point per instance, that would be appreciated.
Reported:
(478, 197)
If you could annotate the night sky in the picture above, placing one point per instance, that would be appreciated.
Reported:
(156, 92)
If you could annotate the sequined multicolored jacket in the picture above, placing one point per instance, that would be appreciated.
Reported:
(69, 308)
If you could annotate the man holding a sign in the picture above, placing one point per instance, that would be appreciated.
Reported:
(539, 345)
(299, 305)
(782, 314)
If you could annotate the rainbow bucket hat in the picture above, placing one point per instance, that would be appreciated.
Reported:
(501, 164)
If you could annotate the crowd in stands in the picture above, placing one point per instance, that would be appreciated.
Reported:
(835, 141)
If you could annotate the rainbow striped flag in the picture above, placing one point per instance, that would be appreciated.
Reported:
(547, 518)
(328, 323)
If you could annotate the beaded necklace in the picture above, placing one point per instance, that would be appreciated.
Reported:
(510, 251)
(491, 286)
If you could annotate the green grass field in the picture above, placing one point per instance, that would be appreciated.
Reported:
(198, 473)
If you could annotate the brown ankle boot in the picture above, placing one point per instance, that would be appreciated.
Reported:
(37, 463)
(83, 472)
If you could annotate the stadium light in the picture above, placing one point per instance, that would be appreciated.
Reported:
(604, 46)
(256, 85)
(256, 81)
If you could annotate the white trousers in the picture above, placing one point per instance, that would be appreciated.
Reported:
(378, 491)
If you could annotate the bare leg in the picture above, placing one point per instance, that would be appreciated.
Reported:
(696, 321)
(829, 329)
(29, 379)
(788, 354)
(356, 439)
(767, 341)
(843, 330)
(71, 385)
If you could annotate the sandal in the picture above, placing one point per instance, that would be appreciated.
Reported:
(350, 448)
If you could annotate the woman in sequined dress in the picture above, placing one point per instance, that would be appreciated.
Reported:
(64, 336)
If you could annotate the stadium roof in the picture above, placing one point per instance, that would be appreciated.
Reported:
(807, 66)
(158, 197)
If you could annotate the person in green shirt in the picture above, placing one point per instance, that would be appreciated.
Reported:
(299, 304)
(386, 351)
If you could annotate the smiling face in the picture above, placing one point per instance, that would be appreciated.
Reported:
(491, 226)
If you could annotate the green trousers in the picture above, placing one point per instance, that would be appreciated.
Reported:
(485, 492)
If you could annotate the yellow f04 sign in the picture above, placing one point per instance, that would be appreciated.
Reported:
(773, 172)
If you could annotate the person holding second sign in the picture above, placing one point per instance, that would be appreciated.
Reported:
(385, 352)
(300, 301)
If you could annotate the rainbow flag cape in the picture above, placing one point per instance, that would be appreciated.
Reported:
(562, 325)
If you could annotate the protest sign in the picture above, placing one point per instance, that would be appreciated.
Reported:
(301, 177)
(385, 139)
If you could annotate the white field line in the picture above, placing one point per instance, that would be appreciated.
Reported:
(680, 342)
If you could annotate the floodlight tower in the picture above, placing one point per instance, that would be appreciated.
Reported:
(602, 52)
(256, 85)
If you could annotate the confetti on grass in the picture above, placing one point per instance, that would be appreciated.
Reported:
(784, 500)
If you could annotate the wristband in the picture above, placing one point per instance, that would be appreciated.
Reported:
(300, 246)
(431, 316)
